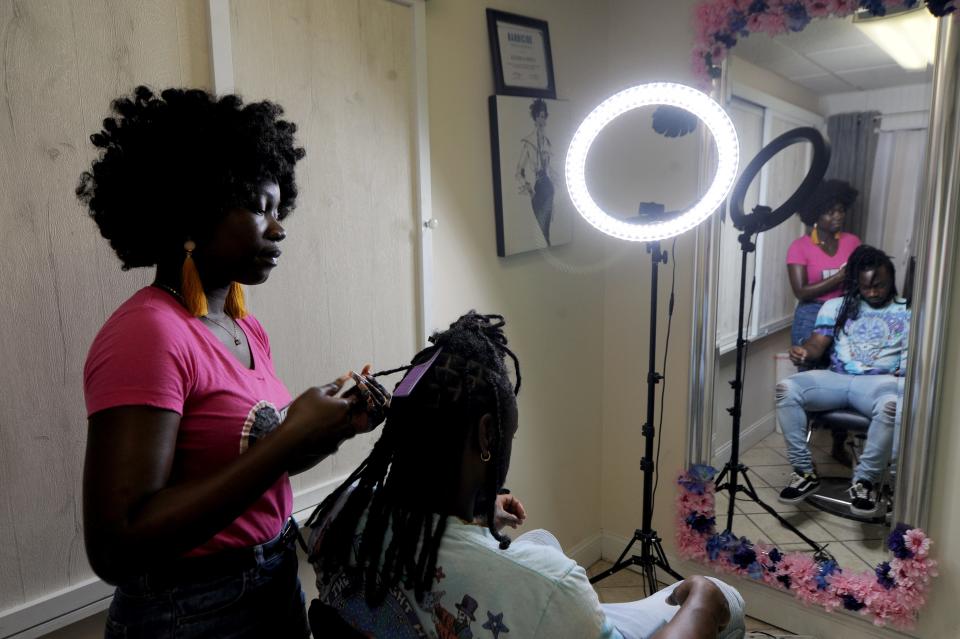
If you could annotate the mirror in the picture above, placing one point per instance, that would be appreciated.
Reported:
(811, 78)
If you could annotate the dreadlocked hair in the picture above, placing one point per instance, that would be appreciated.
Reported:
(420, 447)
(863, 258)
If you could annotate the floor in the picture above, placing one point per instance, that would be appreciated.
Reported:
(627, 585)
(856, 546)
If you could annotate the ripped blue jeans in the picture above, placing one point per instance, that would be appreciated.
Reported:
(876, 396)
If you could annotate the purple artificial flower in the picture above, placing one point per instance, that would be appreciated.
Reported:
(852, 603)
(775, 556)
(827, 568)
(696, 479)
(797, 16)
(755, 570)
(743, 553)
(700, 523)
(941, 8)
(883, 575)
(758, 6)
(785, 580)
(875, 7)
(720, 542)
(737, 22)
(897, 544)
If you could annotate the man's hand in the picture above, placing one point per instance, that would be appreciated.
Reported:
(508, 511)
(700, 592)
(798, 355)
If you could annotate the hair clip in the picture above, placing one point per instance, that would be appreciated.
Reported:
(409, 381)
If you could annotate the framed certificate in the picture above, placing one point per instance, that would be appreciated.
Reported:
(522, 63)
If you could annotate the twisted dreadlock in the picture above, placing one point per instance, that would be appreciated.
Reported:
(420, 447)
(863, 258)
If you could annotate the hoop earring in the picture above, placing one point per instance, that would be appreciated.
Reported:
(234, 305)
(485, 456)
(190, 284)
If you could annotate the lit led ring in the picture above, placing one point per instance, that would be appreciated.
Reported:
(657, 93)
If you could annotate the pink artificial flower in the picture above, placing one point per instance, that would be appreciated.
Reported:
(821, 8)
(771, 24)
(917, 542)
(846, 7)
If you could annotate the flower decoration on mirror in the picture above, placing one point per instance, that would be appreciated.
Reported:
(892, 594)
(719, 24)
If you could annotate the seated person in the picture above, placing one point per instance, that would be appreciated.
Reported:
(868, 331)
(410, 546)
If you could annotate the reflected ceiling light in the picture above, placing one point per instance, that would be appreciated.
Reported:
(657, 93)
(908, 37)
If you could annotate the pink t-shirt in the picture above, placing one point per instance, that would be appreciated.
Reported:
(152, 352)
(819, 265)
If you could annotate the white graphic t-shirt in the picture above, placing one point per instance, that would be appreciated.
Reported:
(528, 591)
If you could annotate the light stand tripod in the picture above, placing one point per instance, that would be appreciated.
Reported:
(651, 551)
(762, 218)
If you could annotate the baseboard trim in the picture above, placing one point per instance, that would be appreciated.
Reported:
(587, 552)
(749, 437)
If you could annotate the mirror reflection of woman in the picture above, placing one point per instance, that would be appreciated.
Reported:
(816, 263)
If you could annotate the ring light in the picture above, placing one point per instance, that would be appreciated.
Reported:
(763, 219)
(658, 93)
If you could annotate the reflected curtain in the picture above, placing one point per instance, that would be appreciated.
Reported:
(895, 196)
(853, 140)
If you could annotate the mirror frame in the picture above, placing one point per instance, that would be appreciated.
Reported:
(936, 228)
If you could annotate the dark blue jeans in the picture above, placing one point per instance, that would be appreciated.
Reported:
(252, 593)
(804, 319)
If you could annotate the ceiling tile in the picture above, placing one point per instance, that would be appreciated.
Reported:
(882, 77)
(824, 84)
(851, 58)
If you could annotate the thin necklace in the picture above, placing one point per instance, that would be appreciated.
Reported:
(172, 291)
(235, 333)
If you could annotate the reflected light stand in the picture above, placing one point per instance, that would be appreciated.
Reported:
(761, 219)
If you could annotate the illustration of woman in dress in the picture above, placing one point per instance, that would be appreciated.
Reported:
(534, 166)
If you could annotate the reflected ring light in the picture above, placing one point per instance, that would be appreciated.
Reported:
(656, 93)
(764, 219)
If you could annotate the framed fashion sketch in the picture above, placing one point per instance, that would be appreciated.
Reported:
(528, 142)
(520, 47)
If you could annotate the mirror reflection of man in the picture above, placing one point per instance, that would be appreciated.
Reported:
(865, 333)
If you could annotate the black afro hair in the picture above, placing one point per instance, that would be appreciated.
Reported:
(171, 165)
(828, 194)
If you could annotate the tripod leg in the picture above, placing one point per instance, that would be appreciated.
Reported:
(752, 494)
(661, 561)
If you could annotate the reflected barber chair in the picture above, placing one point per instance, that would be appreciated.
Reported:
(832, 497)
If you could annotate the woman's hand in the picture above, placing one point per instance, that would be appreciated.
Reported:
(508, 511)
(369, 401)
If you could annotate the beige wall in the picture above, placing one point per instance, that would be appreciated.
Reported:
(582, 338)
(645, 44)
(554, 313)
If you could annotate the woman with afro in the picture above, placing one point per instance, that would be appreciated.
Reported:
(186, 492)
(816, 263)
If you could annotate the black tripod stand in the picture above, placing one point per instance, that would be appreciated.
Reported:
(733, 467)
(762, 218)
(651, 551)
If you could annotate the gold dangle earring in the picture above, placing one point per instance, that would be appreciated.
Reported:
(234, 305)
(814, 237)
(190, 285)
